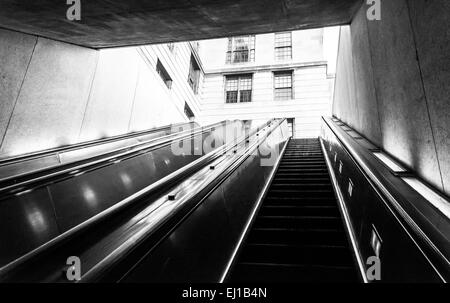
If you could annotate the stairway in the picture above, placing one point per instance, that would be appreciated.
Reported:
(298, 234)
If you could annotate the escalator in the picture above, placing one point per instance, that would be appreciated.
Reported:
(298, 234)
(257, 208)
(108, 228)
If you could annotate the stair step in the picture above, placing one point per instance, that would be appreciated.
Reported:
(275, 193)
(308, 210)
(297, 180)
(300, 187)
(299, 201)
(291, 273)
(297, 254)
(317, 222)
(292, 236)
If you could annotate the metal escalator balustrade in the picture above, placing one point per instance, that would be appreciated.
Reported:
(16, 166)
(38, 210)
(104, 241)
(298, 234)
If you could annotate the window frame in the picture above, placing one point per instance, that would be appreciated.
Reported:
(194, 67)
(232, 49)
(239, 96)
(188, 112)
(275, 88)
(163, 74)
(282, 46)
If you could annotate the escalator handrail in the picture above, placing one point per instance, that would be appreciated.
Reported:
(396, 208)
(122, 251)
(167, 181)
(102, 158)
(43, 153)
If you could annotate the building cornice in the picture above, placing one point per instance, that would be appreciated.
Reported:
(257, 68)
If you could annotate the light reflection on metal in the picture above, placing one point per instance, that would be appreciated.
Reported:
(389, 162)
(125, 179)
(36, 220)
(89, 196)
(24, 192)
(434, 198)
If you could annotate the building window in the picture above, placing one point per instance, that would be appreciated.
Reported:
(188, 112)
(283, 85)
(291, 126)
(194, 74)
(164, 74)
(238, 88)
(241, 49)
(283, 46)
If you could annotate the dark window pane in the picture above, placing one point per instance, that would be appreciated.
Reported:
(163, 74)
(246, 96)
(232, 97)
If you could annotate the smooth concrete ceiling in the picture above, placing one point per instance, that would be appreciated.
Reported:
(111, 23)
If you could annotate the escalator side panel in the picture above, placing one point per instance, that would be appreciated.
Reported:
(67, 203)
(400, 258)
(25, 223)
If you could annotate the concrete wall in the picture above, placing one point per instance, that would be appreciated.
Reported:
(392, 83)
(53, 94)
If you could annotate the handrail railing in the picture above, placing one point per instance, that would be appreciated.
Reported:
(11, 183)
(395, 193)
(165, 182)
(37, 154)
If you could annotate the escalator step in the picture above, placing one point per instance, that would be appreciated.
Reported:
(329, 223)
(297, 254)
(298, 234)
(305, 236)
(266, 272)
(306, 210)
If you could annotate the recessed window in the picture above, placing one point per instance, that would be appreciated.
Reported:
(188, 112)
(164, 74)
(241, 49)
(283, 46)
(194, 74)
(291, 126)
(238, 88)
(283, 85)
(171, 47)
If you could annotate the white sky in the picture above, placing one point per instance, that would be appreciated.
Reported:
(330, 47)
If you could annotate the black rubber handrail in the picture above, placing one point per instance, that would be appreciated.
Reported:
(43, 153)
(22, 182)
(165, 182)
